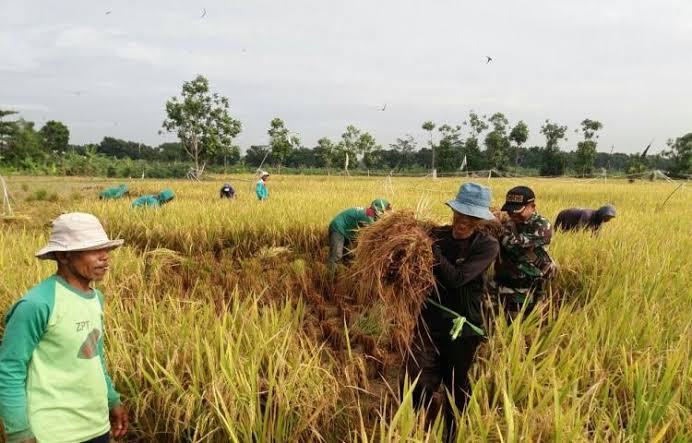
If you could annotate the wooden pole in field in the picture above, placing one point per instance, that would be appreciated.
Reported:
(6, 208)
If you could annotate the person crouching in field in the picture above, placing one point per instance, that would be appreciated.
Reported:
(343, 229)
(575, 219)
(261, 189)
(450, 327)
(114, 193)
(227, 191)
(54, 386)
(154, 201)
(524, 267)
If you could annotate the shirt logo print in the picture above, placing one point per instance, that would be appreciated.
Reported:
(82, 325)
(89, 348)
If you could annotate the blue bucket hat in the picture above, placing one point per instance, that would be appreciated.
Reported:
(473, 200)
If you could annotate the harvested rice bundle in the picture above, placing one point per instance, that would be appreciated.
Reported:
(393, 262)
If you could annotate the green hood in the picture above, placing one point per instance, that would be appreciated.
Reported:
(379, 205)
(165, 196)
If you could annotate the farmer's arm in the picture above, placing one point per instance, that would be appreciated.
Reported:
(25, 326)
(113, 395)
(453, 275)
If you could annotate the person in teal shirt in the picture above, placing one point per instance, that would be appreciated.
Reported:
(154, 201)
(54, 386)
(261, 188)
(114, 193)
(344, 227)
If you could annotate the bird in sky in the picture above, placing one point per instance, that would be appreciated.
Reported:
(384, 107)
(108, 12)
(489, 59)
(204, 12)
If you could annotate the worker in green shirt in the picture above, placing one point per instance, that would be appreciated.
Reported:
(154, 201)
(344, 228)
(54, 386)
(114, 193)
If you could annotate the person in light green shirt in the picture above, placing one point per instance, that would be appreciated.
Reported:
(54, 386)
(344, 227)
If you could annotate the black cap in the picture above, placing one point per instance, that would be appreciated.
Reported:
(517, 198)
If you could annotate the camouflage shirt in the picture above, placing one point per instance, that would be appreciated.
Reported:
(524, 261)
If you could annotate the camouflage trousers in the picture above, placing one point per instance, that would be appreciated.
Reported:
(511, 300)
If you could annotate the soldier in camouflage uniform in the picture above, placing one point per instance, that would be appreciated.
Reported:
(524, 267)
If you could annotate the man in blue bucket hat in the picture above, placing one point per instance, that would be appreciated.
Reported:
(451, 324)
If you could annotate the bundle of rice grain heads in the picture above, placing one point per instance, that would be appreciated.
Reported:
(393, 262)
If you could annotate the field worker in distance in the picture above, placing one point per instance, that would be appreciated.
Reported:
(114, 192)
(574, 219)
(343, 229)
(227, 191)
(54, 386)
(524, 266)
(154, 201)
(261, 188)
(450, 327)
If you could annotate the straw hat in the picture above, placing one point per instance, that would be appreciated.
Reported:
(76, 231)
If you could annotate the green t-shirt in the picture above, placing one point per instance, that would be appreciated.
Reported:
(53, 379)
(347, 222)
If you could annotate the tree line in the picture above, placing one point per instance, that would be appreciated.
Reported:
(202, 121)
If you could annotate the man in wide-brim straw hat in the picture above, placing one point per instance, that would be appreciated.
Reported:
(451, 324)
(54, 385)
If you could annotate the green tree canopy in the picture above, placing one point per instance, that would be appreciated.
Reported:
(281, 141)
(681, 154)
(201, 120)
(586, 149)
(497, 142)
(55, 136)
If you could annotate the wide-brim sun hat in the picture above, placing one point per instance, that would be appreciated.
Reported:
(76, 231)
(473, 200)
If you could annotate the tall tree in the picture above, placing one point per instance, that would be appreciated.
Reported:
(681, 154)
(429, 126)
(7, 128)
(23, 147)
(404, 148)
(553, 162)
(586, 149)
(256, 154)
(474, 157)
(201, 120)
(281, 141)
(346, 151)
(497, 142)
(55, 136)
(324, 152)
(519, 134)
(449, 148)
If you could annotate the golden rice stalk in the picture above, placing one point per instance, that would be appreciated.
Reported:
(393, 262)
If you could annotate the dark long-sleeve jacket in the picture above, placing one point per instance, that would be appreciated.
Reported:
(460, 273)
(578, 218)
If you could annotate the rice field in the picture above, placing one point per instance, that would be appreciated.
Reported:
(224, 324)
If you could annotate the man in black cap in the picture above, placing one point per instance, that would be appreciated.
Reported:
(524, 266)
(575, 219)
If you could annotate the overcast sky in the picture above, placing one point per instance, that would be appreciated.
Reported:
(321, 65)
